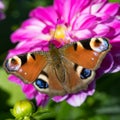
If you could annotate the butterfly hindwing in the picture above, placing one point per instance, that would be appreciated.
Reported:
(47, 82)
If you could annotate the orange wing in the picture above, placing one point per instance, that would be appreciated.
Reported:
(87, 53)
(26, 66)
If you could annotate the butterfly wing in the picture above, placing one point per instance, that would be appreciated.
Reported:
(87, 53)
(77, 77)
(26, 66)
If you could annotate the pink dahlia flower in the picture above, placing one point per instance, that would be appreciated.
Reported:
(72, 20)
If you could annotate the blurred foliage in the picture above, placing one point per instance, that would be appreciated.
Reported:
(103, 105)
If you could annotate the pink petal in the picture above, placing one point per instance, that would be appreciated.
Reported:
(81, 34)
(94, 7)
(25, 34)
(59, 98)
(77, 99)
(47, 15)
(41, 99)
(115, 40)
(84, 21)
(29, 90)
(114, 7)
(115, 26)
(106, 65)
(15, 79)
(17, 52)
(33, 22)
(116, 56)
(101, 30)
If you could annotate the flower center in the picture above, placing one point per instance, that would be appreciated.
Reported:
(59, 33)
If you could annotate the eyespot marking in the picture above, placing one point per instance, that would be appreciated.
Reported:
(41, 84)
(99, 44)
(42, 81)
(85, 73)
(13, 64)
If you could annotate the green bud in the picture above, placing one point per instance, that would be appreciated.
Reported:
(22, 109)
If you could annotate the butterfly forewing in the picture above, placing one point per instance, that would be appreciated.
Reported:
(26, 66)
(87, 53)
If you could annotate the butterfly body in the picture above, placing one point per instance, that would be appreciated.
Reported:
(56, 59)
(60, 71)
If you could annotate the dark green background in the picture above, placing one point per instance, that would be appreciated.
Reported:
(103, 105)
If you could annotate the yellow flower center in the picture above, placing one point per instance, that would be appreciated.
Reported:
(59, 32)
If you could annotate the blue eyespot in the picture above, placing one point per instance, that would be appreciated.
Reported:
(41, 84)
(85, 73)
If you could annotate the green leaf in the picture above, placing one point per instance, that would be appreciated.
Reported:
(43, 114)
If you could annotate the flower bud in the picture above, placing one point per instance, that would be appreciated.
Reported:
(22, 109)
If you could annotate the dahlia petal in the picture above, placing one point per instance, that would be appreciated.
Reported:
(106, 65)
(33, 22)
(81, 34)
(23, 34)
(116, 56)
(44, 14)
(66, 11)
(73, 7)
(101, 30)
(26, 30)
(94, 6)
(84, 21)
(15, 79)
(115, 26)
(99, 1)
(115, 39)
(77, 99)
(41, 99)
(114, 7)
(77, 6)
(58, 6)
(36, 42)
(14, 52)
(59, 98)
(91, 88)
(29, 90)
(26, 34)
